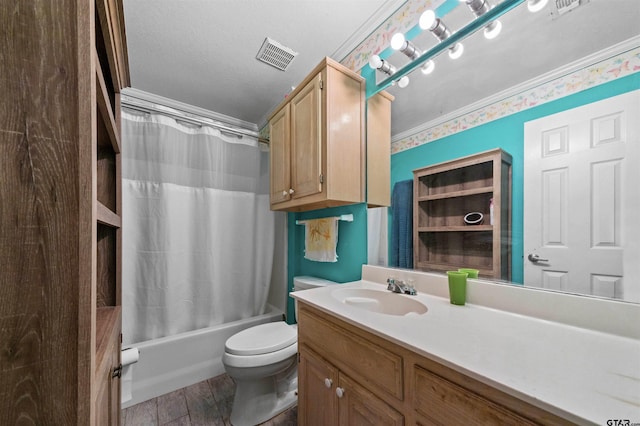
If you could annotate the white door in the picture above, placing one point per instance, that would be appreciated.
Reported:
(582, 199)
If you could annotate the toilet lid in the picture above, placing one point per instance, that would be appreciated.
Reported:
(262, 339)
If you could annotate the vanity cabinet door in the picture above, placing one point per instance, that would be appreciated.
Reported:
(360, 407)
(445, 403)
(317, 383)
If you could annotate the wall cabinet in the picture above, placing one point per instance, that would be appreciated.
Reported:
(444, 194)
(317, 142)
(350, 376)
(60, 316)
(379, 150)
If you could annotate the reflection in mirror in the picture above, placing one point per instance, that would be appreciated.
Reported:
(573, 139)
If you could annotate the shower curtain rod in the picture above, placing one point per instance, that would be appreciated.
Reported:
(126, 103)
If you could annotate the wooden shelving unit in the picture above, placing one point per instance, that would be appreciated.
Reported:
(443, 194)
(111, 75)
(64, 64)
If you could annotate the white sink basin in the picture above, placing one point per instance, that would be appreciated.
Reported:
(380, 301)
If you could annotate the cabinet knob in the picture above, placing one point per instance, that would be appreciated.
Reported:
(339, 392)
(291, 191)
(328, 382)
(284, 193)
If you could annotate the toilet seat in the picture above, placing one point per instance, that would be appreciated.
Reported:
(262, 339)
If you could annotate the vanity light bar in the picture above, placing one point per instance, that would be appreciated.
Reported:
(449, 42)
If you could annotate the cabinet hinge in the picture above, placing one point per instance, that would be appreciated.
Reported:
(321, 85)
(321, 178)
(298, 357)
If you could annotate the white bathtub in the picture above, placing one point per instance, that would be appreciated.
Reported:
(173, 362)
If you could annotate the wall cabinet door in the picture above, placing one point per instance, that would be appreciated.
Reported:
(279, 158)
(306, 155)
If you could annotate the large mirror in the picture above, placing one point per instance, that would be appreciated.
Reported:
(552, 65)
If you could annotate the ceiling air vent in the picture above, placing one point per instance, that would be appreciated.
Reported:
(275, 54)
(560, 7)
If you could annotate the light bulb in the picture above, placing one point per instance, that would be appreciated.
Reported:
(456, 51)
(492, 30)
(428, 67)
(375, 62)
(403, 82)
(536, 5)
(397, 41)
(427, 19)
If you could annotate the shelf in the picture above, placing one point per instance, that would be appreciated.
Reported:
(106, 216)
(462, 193)
(104, 108)
(471, 228)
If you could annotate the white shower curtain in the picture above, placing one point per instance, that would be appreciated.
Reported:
(198, 235)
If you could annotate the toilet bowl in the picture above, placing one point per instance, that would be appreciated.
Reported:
(262, 362)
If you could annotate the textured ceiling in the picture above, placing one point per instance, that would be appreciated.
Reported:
(202, 52)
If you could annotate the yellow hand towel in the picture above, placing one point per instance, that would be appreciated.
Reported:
(321, 239)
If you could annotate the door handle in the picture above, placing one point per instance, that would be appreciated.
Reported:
(534, 258)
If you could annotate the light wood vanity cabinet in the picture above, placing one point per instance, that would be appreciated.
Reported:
(384, 383)
(317, 142)
(328, 394)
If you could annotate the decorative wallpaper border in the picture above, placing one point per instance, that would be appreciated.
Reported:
(621, 65)
(401, 21)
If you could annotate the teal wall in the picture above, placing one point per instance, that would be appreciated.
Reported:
(506, 133)
(352, 248)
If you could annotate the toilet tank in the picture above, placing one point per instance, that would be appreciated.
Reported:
(306, 282)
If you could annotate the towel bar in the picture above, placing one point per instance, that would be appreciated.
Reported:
(344, 218)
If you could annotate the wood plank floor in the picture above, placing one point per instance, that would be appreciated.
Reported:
(205, 403)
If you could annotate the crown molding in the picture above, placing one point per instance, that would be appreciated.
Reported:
(383, 13)
(140, 95)
(585, 62)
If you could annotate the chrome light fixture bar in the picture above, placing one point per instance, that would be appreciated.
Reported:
(429, 21)
(399, 42)
(470, 28)
(479, 8)
(377, 63)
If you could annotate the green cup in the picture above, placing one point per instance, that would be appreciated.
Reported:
(457, 287)
(471, 273)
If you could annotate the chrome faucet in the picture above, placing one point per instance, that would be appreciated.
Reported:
(399, 286)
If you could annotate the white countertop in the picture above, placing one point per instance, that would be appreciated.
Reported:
(577, 373)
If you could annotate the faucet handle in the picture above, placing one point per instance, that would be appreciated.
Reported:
(391, 282)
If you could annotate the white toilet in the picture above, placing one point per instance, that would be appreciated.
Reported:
(262, 362)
